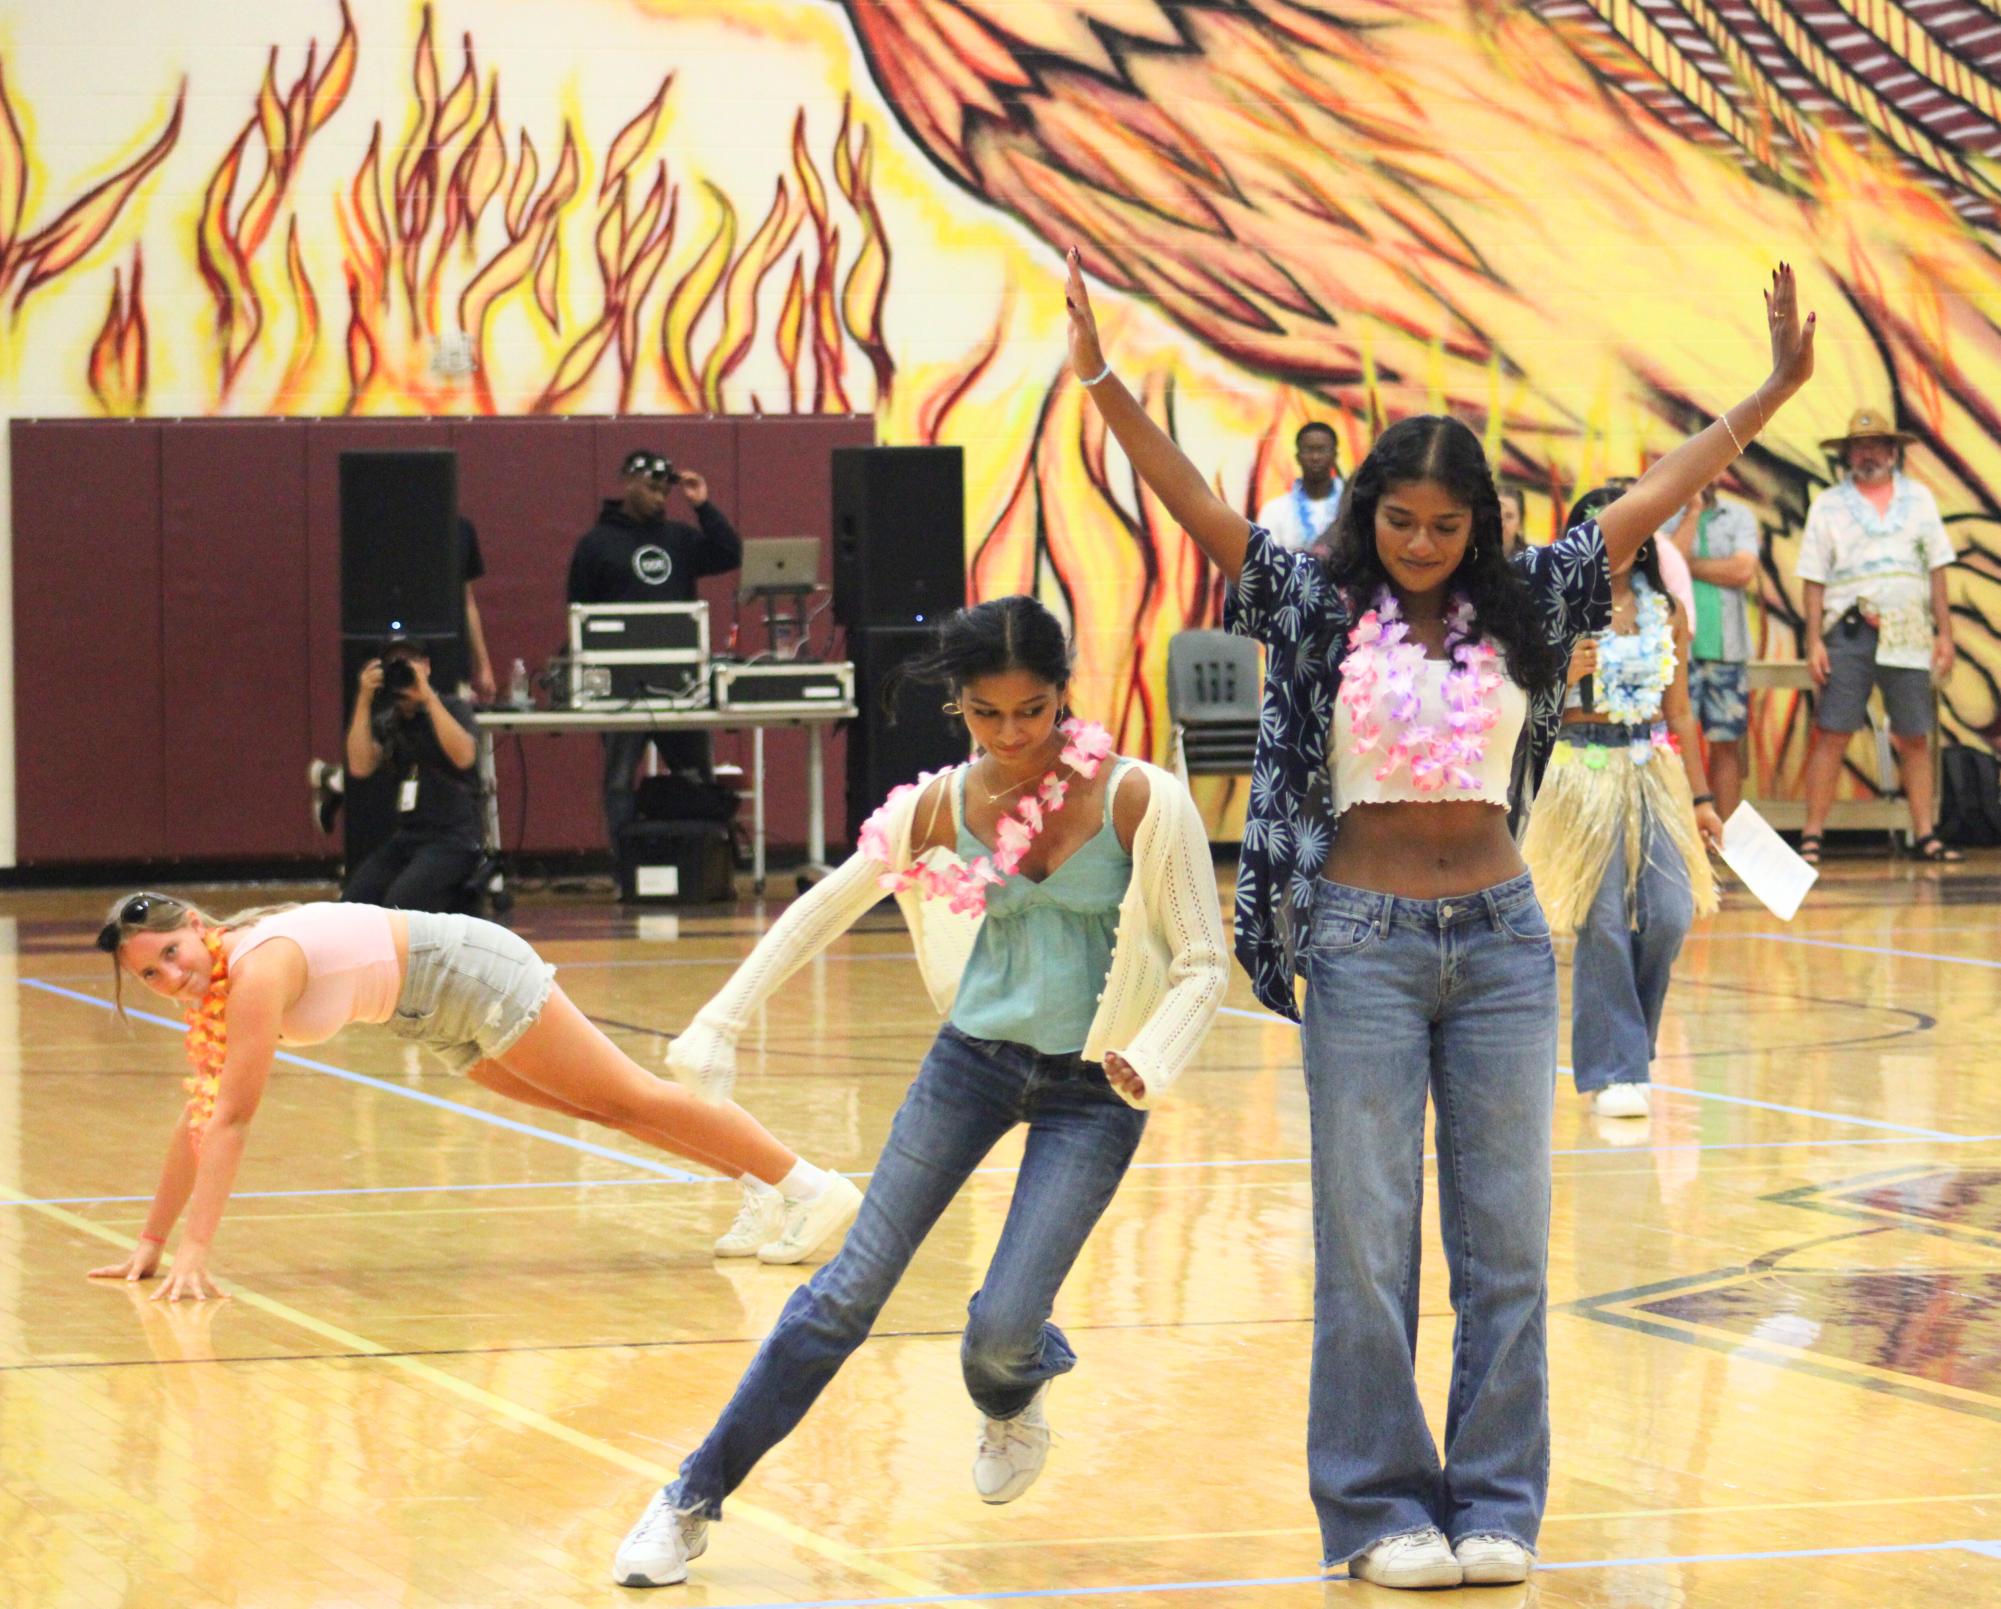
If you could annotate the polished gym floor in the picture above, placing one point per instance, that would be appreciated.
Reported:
(465, 1339)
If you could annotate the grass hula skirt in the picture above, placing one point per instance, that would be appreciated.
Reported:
(1594, 797)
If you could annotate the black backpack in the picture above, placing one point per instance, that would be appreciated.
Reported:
(1969, 796)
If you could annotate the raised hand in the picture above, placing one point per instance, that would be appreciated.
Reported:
(697, 489)
(1087, 355)
(1792, 337)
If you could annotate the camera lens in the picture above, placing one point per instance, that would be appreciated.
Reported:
(397, 675)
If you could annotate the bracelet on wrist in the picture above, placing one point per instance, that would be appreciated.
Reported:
(1101, 376)
(158, 1240)
(1705, 798)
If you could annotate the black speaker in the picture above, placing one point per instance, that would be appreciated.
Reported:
(899, 534)
(889, 747)
(401, 566)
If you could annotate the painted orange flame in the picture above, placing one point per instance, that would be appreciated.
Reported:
(36, 258)
(227, 239)
(118, 355)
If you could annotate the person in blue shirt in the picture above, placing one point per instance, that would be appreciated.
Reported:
(1300, 515)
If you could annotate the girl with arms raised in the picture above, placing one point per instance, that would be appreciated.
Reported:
(1413, 695)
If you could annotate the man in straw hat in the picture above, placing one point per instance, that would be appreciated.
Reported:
(1873, 561)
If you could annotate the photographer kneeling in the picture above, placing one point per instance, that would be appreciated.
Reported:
(429, 743)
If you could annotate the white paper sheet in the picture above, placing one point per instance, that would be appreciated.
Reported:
(1765, 863)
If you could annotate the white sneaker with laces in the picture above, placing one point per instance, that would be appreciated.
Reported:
(1622, 1100)
(1011, 1451)
(1492, 1561)
(810, 1224)
(1415, 1559)
(656, 1551)
(759, 1221)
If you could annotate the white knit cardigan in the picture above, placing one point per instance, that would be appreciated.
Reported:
(1169, 958)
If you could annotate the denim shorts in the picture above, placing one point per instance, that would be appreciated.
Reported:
(471, 990)
(1852, 670)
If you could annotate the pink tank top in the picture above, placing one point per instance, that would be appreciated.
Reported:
(351, 970)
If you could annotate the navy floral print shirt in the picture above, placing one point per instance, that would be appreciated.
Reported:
(1286, 601)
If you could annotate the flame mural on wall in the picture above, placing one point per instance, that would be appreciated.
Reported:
(1549, 218)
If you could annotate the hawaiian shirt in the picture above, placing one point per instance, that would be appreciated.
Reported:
(1883, 562)
(1286, 601)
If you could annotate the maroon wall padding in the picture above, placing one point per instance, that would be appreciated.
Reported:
(234, 638)
(785, 488)
(252, 537)
(89, 697)
(531, 487)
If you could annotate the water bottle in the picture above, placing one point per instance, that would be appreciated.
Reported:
(518, 693)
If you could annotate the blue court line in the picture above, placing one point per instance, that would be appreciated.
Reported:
(1137, 1167)
(1025, 1594)
(365, 1190)
(714, 961)
(1704, 1095)
(1865, 949)
(422, 1097)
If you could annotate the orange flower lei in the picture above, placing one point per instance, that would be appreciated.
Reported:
(208, 1040)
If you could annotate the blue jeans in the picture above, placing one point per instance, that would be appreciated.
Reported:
(969, 1092)
(1619, 972)
(1458, 997)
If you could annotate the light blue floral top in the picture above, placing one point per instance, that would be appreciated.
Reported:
(1039, 963)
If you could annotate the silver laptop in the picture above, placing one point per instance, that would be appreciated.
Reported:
(779, 564)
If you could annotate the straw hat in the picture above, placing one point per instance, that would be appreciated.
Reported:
(1863, 424)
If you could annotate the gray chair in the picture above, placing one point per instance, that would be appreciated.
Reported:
(1213, 685)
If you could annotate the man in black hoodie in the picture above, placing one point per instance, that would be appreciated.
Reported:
(635, 554)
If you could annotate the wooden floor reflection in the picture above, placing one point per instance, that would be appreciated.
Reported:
(466, 1338)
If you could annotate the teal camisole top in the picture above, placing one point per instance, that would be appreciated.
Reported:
(1042, 955)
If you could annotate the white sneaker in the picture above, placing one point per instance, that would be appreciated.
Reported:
(1492, 1561)
(656, 1551)
(1622, 1100)
(809, 1225)
(1011, 1451)
(1415, 1559)
(760, 1220)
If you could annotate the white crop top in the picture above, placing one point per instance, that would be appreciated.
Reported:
(1354, 775)
(351, 970)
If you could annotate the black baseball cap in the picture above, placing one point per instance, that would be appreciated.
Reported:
(404, 644)
(654, 466)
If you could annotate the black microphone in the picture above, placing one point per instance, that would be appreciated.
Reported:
(1584, 698)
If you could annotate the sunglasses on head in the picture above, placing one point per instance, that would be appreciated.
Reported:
(651, 465)
(131, 914)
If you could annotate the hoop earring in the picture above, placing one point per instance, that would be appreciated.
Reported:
(951, 707)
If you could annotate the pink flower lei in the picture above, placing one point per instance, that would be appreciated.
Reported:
(966, 886)
(1380, 672)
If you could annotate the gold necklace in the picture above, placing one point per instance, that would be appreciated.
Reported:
(995, 798)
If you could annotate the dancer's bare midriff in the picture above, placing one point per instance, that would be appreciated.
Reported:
(1423, 850)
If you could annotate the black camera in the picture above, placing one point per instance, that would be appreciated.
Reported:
(399, 675)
